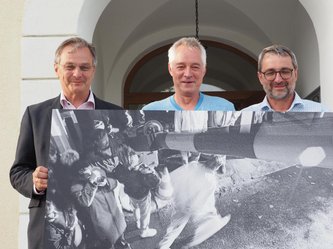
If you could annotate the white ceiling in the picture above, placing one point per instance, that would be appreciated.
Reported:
(127, 30)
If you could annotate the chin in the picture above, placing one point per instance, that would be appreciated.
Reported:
(190, 91)
(279, 96)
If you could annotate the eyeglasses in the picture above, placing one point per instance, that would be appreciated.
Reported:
(71, 67)
(284, 73)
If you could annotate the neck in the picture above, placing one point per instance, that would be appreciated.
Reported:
(77, 100)
(187, 102)
(281, 105)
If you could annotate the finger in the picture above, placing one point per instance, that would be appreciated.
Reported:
(40, 184)
(42, 175)
(42, 169)
(41, 172)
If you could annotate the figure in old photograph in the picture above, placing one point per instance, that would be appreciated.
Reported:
(118, 179)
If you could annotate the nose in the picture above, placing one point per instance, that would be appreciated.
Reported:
(188, 72)
(278, 78)
(77, 72)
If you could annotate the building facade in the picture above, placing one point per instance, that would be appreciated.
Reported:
(132, 37)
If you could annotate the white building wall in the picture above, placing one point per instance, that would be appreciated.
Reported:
(320, 12)
(11, 13)
(45, 24)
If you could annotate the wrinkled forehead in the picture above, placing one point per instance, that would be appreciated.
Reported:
(78, 52)
(71, 49)
(185, 54)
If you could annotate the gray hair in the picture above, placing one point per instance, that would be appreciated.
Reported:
(278, 50)
(190, 42)
(75, 43)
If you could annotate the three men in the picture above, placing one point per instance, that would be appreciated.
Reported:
(75, 65)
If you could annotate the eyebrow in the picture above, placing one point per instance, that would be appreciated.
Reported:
(82, 64)
(183, 63)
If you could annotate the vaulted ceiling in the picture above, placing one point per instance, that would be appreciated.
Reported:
(129, 30)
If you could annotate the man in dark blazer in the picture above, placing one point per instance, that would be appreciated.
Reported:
(75, 65)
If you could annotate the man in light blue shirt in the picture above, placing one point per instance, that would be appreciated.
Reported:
(187, 67)
(277, 73)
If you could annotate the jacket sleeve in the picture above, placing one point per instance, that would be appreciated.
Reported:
(25, 159)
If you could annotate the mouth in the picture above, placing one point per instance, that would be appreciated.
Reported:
(188, 82)
(279, 85)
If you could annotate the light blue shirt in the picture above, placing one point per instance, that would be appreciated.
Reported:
(298, 105)
(205, 103)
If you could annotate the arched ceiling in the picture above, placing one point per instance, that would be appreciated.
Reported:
(127, 30)
(123, 23)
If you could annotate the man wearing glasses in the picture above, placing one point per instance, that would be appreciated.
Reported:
(277, 73)
(75, 65)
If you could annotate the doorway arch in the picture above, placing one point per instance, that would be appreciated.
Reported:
(228, 68)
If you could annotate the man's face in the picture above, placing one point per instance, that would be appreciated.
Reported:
(75, 71)
(278, 88)
(187, 71)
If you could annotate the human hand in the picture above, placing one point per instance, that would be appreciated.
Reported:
(40, 178)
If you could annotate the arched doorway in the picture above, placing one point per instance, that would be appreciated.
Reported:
(231, 74)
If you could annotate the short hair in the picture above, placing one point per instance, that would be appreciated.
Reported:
(75, 43)
(278, 50)
(190, 42)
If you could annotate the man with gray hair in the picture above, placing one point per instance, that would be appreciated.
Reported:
(278, 73)
(74, 65)
(187, 67)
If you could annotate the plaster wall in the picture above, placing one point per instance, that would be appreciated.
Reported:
(31, 30)
(11, 13)
(321, 14)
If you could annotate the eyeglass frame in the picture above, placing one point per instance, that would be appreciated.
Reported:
(278, 72)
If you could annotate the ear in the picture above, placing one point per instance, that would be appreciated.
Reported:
(56, 68)
(260, 77)
(204, 71)
(296, 74)
(170, 69)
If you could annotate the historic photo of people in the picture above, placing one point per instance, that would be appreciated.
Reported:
(185, 179)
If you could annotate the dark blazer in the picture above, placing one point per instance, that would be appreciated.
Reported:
(32, 150)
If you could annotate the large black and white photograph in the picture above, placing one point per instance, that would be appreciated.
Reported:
(189, 179)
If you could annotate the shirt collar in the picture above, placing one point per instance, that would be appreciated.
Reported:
(88, 104)
(178, 108)
(265, 106)
(297, 102)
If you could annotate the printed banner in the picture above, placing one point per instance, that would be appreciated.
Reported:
(185, 179)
